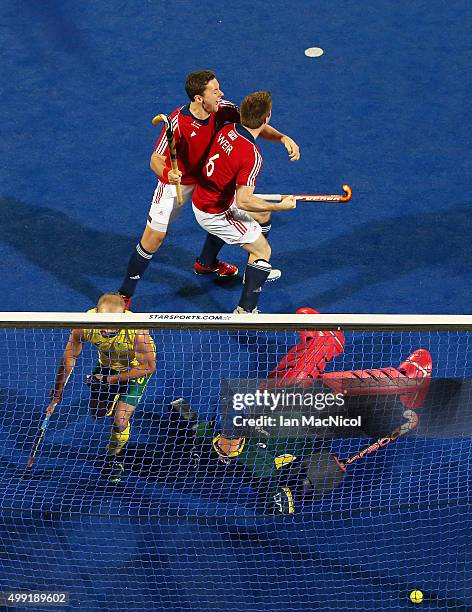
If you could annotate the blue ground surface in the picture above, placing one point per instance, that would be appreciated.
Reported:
(384, 109)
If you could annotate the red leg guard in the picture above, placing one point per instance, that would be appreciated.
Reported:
(302, 362)
(411, 380)
(307, 360)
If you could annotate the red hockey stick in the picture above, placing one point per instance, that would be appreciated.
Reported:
(309, 197)
(404, 428)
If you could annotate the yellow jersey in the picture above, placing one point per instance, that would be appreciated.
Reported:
(116, 352)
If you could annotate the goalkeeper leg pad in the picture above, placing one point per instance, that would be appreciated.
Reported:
(411, 380)
(329, 343)
(307, 360)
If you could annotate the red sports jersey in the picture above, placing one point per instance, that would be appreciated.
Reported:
(193, 138)
(234, 159)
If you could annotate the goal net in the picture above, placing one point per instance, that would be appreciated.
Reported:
(212, 461)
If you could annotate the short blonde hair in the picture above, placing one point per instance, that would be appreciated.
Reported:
(111, 299)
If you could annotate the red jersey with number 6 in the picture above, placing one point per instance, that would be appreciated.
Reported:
(193, 138)
(234, 159)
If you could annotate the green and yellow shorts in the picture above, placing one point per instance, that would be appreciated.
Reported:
(130, 392)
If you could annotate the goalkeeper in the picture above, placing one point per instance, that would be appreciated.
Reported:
(126, 362)
(284, 470)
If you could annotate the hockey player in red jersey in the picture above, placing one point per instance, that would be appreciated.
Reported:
(194, 126)
(224, 197)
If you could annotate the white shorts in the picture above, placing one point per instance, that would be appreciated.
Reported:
(234, 225)
(164, 208)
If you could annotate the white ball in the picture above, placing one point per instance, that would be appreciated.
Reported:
(314, 52)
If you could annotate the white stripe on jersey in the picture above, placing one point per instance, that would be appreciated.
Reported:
(161, 146)
(257, 166)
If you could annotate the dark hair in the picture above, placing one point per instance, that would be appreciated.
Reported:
(255, 108)
(197, 81)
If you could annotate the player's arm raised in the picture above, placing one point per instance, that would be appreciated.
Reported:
(71, 353)
(246, 200)
(273, 135)
(145, 356)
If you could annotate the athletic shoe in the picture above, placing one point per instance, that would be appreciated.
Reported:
(182, 415)
(283, 501)
(274, 275)
(112, 469)
(221, 269)
(418, 365)
(240, 310)
(127, 300)
(115, 472)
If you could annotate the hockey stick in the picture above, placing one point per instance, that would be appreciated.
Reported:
(40, 433)
(42, 429)
(172, 150)
(404, 428)
(277, 197)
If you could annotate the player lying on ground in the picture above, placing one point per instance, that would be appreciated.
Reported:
(126, 361)
(194, 125)
(232, 166)
(287, 469)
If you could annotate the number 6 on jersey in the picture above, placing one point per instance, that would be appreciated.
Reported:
(210, 165)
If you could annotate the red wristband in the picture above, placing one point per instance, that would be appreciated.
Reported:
(165, 174)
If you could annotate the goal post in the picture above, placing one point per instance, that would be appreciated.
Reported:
(349, 322)
(332, 452)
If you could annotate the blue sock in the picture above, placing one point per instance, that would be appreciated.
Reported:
(210, 250)
(255, 276)
(139, 261)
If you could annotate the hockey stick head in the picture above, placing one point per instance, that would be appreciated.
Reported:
(348, 191)
(322, 475)
(162, 118)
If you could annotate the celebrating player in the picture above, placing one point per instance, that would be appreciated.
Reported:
(232, 166)
(126, 361)
(194, 126)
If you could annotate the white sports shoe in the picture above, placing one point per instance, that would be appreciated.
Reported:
(240, 310)
(274, 275)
